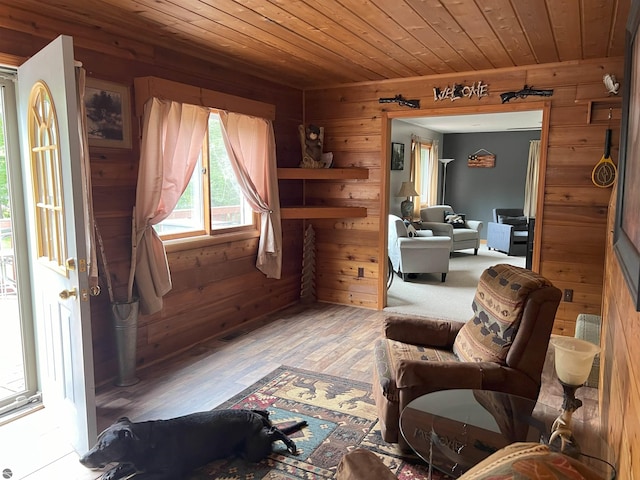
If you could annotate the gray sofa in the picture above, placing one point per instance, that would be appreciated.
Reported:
(509, 231)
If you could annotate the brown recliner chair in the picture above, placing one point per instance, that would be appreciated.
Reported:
(502, 348)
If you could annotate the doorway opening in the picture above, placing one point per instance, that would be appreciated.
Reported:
(454, 125)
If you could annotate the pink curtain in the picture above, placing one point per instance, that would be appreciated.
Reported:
(251, 145)
(172, 136)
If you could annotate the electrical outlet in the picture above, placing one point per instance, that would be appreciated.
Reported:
(360, 272)
(568, 295)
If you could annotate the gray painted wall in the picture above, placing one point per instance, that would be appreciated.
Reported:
(477, 191)
(401, 132)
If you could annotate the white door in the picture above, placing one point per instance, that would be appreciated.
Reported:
(51, 150)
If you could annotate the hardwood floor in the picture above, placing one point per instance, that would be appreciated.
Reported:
(320, 337)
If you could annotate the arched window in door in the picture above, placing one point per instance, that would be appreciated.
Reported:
(46, 177)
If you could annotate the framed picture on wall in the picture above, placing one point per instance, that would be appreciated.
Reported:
(108, 114)
(626, 234)
(397, 156)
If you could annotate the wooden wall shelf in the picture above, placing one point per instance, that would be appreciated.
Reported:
(612, 102)
(288, 213)
(322, 173)
(304, 212)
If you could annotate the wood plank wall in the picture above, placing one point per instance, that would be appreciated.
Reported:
(217, 288)
(619, 366)
(573, 221)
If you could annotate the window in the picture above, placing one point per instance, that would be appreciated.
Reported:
(212, 202)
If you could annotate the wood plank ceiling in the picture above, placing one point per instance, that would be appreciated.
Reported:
(312, 43)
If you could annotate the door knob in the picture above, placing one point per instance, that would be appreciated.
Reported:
(64, 294)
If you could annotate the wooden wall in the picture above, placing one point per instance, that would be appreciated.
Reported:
(619, 366)
(216, 288)
(571, 225)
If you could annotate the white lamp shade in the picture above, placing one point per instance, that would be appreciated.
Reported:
(573, 359)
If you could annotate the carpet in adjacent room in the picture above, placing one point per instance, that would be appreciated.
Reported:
(426, 295)
(340, 414)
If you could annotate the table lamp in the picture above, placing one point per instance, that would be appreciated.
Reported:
(573, 361)
(406, 207)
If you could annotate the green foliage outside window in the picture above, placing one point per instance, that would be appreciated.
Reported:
(224, 187)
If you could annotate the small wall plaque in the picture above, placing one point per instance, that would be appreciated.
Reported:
(481, 160)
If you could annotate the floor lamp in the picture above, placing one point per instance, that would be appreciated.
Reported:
(445, 162)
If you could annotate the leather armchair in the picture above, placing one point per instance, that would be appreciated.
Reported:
(422, 253)
(432, 218)
(501, 348)
(509, 231)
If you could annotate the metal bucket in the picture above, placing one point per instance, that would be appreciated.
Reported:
(125, 322)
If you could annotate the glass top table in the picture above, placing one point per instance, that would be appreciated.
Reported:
(453, 430)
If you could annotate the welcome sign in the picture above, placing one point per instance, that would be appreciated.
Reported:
(476, 89)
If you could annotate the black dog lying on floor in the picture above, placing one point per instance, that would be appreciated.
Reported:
(170, 449)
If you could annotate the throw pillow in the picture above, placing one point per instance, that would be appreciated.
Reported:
(411, 231)
(519, 220)
(528, 461)
(497, 310)
(456, 220)
(519, 223)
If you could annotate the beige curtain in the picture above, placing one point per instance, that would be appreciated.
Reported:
(416, 174)
(432, 198)
(424, 173)
(251, 146)
(172, 136)
(531, 186)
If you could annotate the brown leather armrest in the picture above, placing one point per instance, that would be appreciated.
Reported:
(422, 331)
(454, 375)
(438, 375)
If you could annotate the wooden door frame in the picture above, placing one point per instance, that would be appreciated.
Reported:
(386, 119)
